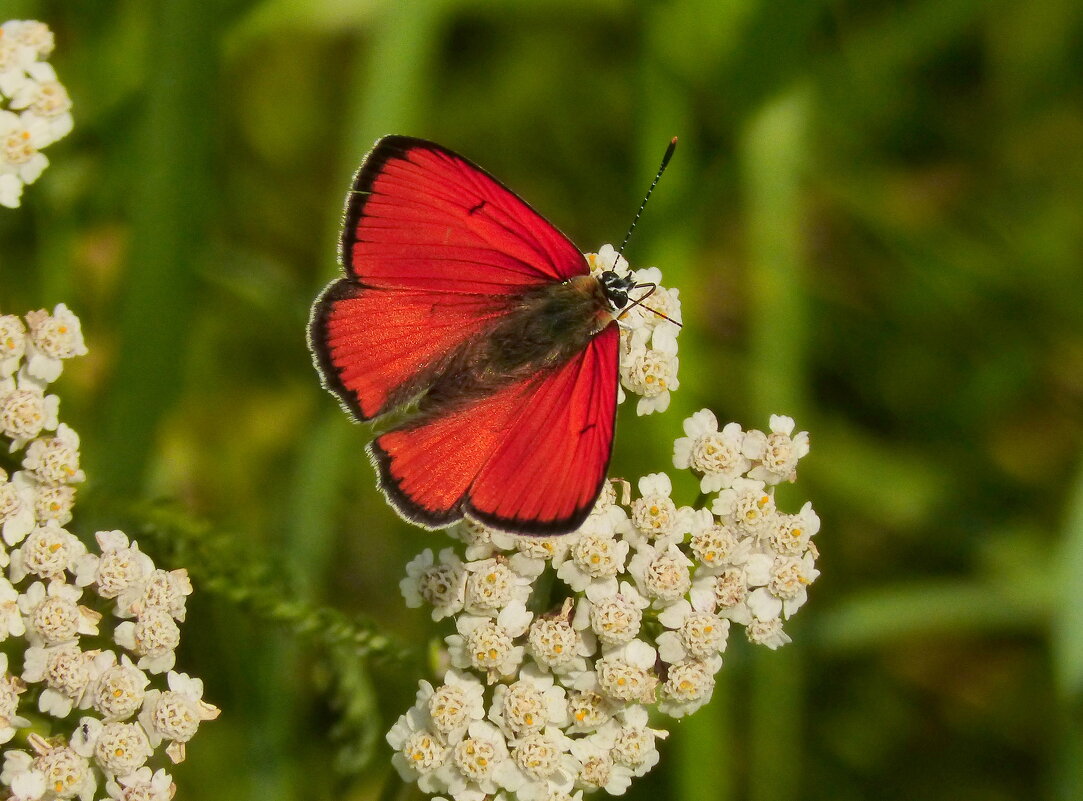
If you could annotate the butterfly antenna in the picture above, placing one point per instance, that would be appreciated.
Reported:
(654, 183)
(640, 302)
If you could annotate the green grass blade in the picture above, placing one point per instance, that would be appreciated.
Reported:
(773, 157)
(171, 206)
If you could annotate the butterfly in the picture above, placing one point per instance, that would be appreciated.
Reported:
(464, 308)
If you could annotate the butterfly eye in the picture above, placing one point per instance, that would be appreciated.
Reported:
(617, 297)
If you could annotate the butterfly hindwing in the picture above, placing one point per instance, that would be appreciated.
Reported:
(547, 473)
(426, 469)
(529, 459)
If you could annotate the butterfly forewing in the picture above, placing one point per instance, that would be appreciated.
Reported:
(373, 344)
(422, 216)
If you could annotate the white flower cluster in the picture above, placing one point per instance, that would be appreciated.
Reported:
(55, 595)
(543, 707)
(648, 334)
(35, 109)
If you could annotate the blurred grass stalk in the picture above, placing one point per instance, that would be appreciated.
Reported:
(1066, 637)
(702, 746)
(173, 204)
(773, 156)
(172, 200)
(381, 96)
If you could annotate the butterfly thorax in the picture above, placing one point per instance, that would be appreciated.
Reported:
(552, 324)
(547, 327)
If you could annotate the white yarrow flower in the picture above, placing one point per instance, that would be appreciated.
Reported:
(716, 456)
(693, 634)
(613, 614)
(767, 632)
(478, 764)
(481, 540)
(419, 751)
(791, 534)
(655, 516)
(175, 715)
(54, 461)
(11, 619)
(162, 590)
(37, 111)
(651, 374)
(593, 559)
(119, 749)
(556, 645)
(688, 686)
(67, 673)
(598, 770)
(634, 743)
(45, 97)
(626, 673)
(21, 138)
(661, 574)
(487, 645)
(589, 709)
(11, 687)
(52, 338)
(454, 705)
(142, 785)
(12, 339)
(153, 637)
(529, 704)
(52, 503)
(746, 505)
(726, 592)
(25, 411)
(534, 553)
(54, 616)
(119, 690)
(47, 554)
(120, 566)
(716, 545)
(491, 584)
(541, 766)
(442, 586)
(16, 509)
(67, 772)
(777, 453)
(787, 589)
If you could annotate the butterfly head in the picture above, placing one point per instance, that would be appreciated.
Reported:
(616, 288)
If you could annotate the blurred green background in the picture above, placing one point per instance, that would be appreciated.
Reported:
(874, 217)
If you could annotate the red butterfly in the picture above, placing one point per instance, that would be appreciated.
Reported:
(466, 307)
